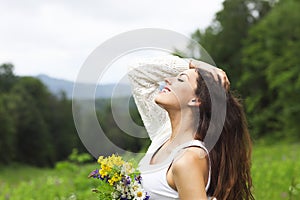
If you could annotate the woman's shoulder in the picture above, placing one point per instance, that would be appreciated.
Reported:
(190, 171)
(193, 157)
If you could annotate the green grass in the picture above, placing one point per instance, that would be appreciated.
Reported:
(275, 173)
(23, 182)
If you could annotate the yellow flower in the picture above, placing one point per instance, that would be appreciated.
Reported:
(115, 160)
(111, 182)
(109, 165)
(111, 161)
(105, 169)
(100, 159)
(116, 177)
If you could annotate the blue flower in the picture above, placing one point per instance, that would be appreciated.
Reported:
(95, 174)
(147, 196)
(127, 180)
(138, 179)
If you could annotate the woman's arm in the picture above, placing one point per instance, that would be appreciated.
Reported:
(144, 77)
(190, 174)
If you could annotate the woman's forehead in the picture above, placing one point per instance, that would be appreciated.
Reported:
(191, 72)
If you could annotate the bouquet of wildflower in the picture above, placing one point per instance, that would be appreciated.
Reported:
(119, 180)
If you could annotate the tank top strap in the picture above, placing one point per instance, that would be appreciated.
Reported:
(195, 143)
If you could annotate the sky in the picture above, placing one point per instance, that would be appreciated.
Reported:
(55, 37)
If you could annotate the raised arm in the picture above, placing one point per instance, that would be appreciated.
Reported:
(145, 76)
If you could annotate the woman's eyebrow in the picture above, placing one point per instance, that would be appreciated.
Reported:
(184, 74)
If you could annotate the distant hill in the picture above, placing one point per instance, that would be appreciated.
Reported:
(56, 86)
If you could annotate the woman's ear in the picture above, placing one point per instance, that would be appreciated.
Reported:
(194, 102)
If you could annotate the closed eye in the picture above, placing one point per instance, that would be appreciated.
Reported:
(181, 75)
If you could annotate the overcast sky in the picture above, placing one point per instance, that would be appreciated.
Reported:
(55, 37)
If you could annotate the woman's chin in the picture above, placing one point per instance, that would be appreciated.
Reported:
(164, 102)
(160, 101)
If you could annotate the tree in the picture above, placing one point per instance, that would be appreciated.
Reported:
(271, 77)
(7, 132)
(223, 40)
(36, 127)
(7, 77)
(34, 143)
(61, 126)
(114, 133)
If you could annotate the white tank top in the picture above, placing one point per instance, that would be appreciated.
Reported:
(154, 177)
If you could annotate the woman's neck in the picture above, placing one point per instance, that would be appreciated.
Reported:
(183, 126)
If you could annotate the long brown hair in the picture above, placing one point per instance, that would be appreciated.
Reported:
(231, 155)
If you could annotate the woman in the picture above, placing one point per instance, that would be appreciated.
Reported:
(178, 164)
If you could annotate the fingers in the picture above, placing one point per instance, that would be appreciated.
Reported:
(191, 66)
(226, 83)
(224, 80)
(220, 77)
(218, 74)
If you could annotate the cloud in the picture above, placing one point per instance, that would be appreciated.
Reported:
(55, 37)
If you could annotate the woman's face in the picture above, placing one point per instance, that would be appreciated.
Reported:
(179, 91)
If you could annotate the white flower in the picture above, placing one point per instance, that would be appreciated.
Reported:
(134, 186)
(139, 194)
(127, 168)
(115, 195)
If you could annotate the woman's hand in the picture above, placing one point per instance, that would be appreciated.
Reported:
(218, 74)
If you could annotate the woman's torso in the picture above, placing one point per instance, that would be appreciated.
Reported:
(155, 175)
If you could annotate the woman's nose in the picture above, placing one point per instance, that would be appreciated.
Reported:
(168, 81)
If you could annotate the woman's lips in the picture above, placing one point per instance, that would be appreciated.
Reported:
(166, 90)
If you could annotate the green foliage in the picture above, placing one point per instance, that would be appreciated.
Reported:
(23, 182)
(223, 40)
(34, 142)
(271, 76)
(7, 133)
(62, 128)
(80, 158)
(257, 43)
(66, 165)
(105, 192)
(275, 171)
(7, 77)
(294, 189)
(36, 127)
(74, 161)
(114, 133)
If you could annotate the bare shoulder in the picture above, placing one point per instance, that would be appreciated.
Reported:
(191, 158)
(190, 173)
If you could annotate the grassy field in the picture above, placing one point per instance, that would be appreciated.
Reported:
(275, 172)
